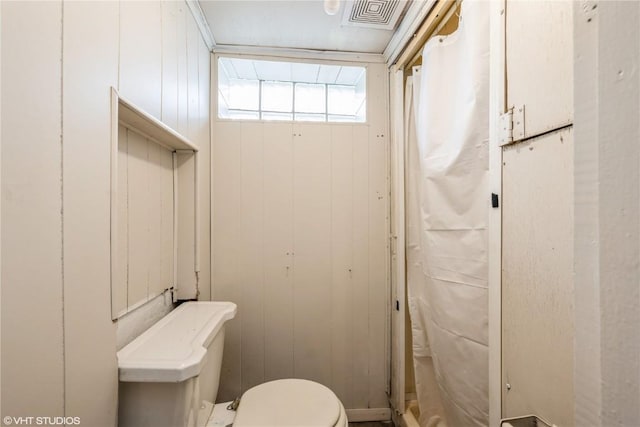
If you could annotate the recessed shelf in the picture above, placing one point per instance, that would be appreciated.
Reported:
(131, 116)
(170, 203)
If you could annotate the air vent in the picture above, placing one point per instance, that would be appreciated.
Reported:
(379, 14)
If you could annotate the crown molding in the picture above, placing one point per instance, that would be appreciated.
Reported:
(201, 21)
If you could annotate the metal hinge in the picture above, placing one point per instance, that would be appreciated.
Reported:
(512, 126)
(506, 128)
(518, 123)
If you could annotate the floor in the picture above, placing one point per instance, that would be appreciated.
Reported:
(221, 417)
(372, 424)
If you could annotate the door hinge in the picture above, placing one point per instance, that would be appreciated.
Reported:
(512, 125)
(518, 123)
(506, 128)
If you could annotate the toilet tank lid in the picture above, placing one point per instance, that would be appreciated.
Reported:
(174, 348)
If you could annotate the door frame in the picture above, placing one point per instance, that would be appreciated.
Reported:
(397, 243)
(497, 107)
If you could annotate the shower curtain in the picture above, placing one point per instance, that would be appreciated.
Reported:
(447, 207)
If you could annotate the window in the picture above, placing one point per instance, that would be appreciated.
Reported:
(268, 90)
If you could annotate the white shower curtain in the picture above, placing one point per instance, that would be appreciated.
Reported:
(448, 203)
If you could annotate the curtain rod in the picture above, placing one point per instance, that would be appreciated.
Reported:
(438, 16)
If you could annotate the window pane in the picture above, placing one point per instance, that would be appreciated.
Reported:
(307, 117)
(277, 96)
(361, 113)
(243, 94)
(310, 98)
(268, 115)
(264, 90)
(223, 108)
(342, 99)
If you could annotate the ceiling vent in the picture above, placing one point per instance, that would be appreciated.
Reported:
(378, 14)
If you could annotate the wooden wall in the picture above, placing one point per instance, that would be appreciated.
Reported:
(59, 62)
(607, 213)
(145, 200)
(32, 271)
(300, 226)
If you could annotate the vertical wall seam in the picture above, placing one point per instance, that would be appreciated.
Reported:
(0, 206)
(239, 253)
(148, 171)
(64, 344)
(351, 282)
(353, 249)
(210, 169)
(197, 184)
(389, 301)
(126, 135)
(162, 62)
(264, 328)
(187, 69)
(331, 266)
(293, 248)
(369, 266)
(119, 44)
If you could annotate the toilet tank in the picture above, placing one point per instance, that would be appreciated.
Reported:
(169, 375)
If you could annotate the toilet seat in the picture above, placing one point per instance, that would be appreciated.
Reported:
(290, 403)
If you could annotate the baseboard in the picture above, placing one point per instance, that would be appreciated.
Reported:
(369, 414)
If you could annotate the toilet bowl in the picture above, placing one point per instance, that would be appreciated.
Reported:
(169, 376)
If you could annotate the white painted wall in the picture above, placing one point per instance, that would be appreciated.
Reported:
(300, 228)
(145, 211)
(59, 62)
(607, 210)
(32, 271)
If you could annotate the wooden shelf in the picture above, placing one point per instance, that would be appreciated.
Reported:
(131, 116)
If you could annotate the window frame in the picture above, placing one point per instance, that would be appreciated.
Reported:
(326, 114)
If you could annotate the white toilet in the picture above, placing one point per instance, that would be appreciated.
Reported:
(169, 376)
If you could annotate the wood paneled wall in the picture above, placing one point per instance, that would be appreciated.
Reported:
(59, 61)
(145, 200)
(300, 227)
(32, 272)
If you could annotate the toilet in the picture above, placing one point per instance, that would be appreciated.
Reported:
(169, 376)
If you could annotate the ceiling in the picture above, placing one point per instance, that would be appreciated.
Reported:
(303, 24)
(249, 69)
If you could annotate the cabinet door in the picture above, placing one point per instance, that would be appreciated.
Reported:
(539, 60)
(537, 281)
(537, 214)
